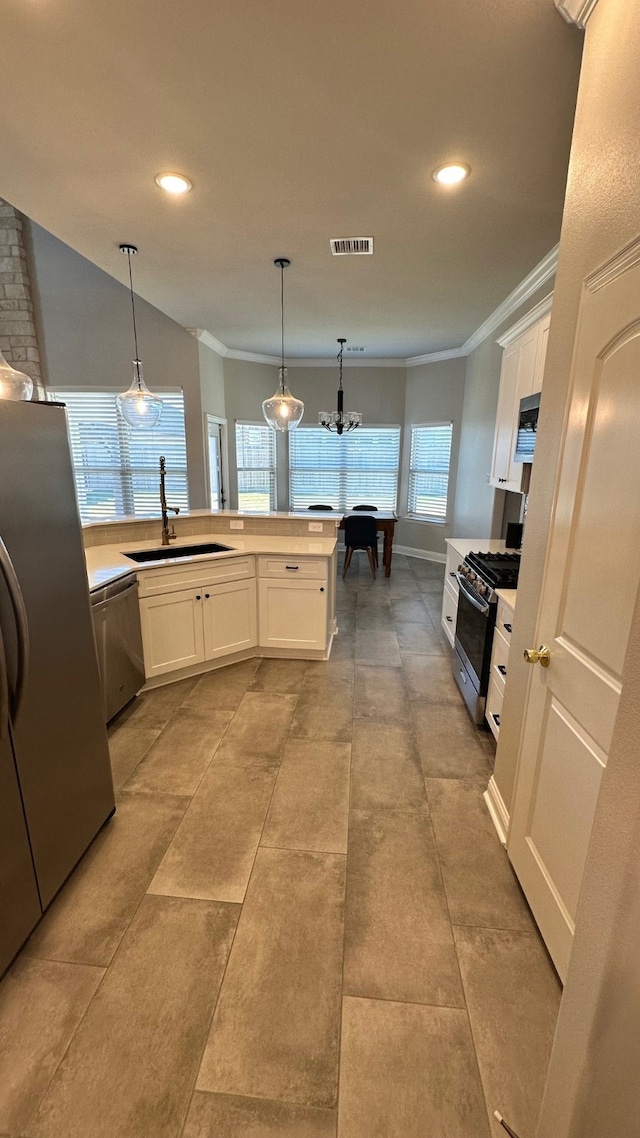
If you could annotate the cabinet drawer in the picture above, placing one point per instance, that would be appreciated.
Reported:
(499, 658)
(494, 707)
(504, 620)
(449, 613)
(196, 574)
(293, 568)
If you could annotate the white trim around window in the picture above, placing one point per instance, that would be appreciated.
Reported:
(429, 466)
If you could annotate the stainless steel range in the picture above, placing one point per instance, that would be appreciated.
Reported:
(479, 575)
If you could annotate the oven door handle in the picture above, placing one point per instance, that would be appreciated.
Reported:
(481, 606)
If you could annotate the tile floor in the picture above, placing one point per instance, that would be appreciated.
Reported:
(300, 923)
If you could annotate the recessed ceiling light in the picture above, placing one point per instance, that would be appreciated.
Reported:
(173, 183)
(449, 175)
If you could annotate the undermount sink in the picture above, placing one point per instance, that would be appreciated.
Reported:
(177, 551)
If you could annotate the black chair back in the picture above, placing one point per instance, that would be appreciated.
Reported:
(360, 532)
(366, 509)
(319, 507)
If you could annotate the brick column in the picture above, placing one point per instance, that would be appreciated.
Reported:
(18, 334)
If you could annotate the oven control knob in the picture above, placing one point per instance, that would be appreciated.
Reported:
(481, 588)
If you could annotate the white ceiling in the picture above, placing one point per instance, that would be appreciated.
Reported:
(296, 122)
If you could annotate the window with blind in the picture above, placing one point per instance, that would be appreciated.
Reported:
(358, 468)
(256, 463)
(116, 466)
(429, 471)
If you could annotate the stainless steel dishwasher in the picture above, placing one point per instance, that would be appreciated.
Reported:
(116, 620)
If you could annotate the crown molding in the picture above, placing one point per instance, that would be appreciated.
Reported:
(526, 322)
(576, 11)
(626, 259)
(433, 357)
(531, 283)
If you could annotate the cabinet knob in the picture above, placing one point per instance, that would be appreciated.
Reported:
(322, 590)
(450, 619)
(206, 596)
(502, 480)
(198, 597)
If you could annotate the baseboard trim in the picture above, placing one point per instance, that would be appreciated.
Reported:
(497, 810)
(425, 554)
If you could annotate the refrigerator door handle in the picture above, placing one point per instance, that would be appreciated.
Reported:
(4, 691)
(22, 626)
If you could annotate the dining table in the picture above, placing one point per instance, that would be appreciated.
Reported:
(385, 524)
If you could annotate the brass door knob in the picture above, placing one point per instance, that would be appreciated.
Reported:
(541, 656)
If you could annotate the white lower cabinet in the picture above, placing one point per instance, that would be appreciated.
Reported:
(229, 615)
(449, 613)
(193, 625)
(293, 613)
(172, 631)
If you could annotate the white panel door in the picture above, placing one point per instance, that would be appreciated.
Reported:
(590, 583)
(292, 614)
(172, 634)
(230, 618)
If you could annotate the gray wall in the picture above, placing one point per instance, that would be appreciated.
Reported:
(479, 507)
(434, 394)
(86, 338)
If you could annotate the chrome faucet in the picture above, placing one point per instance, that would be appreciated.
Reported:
(166, 535)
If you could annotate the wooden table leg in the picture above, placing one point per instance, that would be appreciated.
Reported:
(387, 550)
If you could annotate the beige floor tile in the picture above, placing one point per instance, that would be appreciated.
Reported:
(276, 1027)
(379, 597)
(421, 569)
(222, 689)
(130, 1068)
(215, 844)
(332, 672)
(259, 729)
(430, 679)
(310, 805)
(324, 711)
(41, 1005)
(411, 611)
(89, 916)
(419, 639)
(375, 618)
(513, 996)
(127, 745)
(431, 587)
(398, 938)
(408, 1071)
(380, 693)
(177, 760)
(280, 676)
(403, 588)
(480, 884)
(385, 768)
(449, 743)
(377, 648)
(155, 708)
(230, 1116)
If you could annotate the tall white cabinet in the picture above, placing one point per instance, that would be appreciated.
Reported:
(521, 375)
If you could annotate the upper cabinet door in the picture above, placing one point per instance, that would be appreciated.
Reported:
(521, 375)
(543, 340)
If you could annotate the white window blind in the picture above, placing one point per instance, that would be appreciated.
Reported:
(358, 468)
(116, 466)
(429, 471)
(256, 463)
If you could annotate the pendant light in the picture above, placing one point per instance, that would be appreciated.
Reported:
(14, 384)
(340, 420)
(138, 406)
(283, 411)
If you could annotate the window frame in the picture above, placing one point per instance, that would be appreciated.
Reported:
(344, 471)
(412, 514)
(272, 469)
(125, 470)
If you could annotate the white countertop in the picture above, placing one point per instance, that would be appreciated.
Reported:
(105, 563)
(508, 596)
(464, 545)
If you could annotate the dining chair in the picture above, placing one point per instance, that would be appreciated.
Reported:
(320, 507)
(360, 533)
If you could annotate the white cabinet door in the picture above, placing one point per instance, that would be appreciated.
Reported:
(449, 613)
(292, 614)
(543, 340)
(585, 611)
(230, 618)
(172, 635)
(520, 368)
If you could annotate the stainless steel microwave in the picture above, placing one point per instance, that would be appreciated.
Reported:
(527, 428)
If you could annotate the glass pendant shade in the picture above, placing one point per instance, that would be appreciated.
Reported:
(139, 407)
(283, 411)
(14, 384)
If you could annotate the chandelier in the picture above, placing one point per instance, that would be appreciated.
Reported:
(340, 420)
(138, 406)
(282, 411)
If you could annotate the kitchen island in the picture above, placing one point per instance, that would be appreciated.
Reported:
(264, 594)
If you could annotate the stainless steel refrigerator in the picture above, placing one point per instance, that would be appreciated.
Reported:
(56, 789)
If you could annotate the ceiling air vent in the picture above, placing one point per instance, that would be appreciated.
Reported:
(351, 246)
(356, 349)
